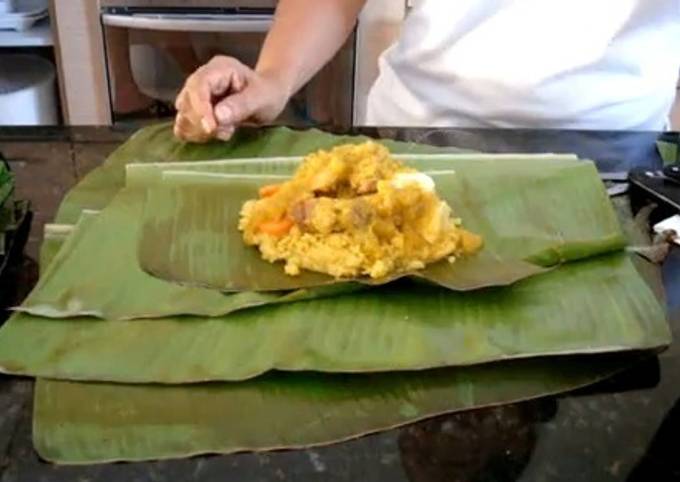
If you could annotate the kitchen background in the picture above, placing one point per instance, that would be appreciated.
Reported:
(105, 62)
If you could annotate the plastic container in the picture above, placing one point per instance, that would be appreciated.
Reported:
(21, 15)
(6, 6)
(27, 90)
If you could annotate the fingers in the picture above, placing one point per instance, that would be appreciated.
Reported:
(233, 110)
(187, 130)
(225, 133)
(196, 120)
(236, 108)
(191, 126)
(245, 96)
(200, 108)
(239, 81)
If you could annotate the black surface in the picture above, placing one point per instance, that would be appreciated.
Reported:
(647, 186)
(623, 429)
(672, 172)
(12, 263)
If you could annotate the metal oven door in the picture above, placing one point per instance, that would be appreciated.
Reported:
(150, 50)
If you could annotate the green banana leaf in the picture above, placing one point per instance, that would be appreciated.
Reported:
(189, 234)
(54, 237)
(403, 326)
(669, 151)
(107, 252)
(76, 423)
(418, 327)
(103, 246)
(157, 144)
(85, 423)
(150, 173)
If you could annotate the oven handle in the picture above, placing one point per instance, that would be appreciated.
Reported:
(208, 23)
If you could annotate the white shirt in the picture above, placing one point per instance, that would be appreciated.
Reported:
(582, 64)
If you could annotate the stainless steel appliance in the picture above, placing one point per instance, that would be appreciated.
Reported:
(151, 47)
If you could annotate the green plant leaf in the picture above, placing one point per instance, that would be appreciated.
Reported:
(190, 234)
(598, 305)
(85, 423)
(89, 423)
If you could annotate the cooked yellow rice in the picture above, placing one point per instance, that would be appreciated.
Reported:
(354, 211)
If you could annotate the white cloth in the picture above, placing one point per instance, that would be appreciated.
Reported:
(582, 64)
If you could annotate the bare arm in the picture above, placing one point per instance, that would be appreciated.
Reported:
(224, 93)
(305, 36)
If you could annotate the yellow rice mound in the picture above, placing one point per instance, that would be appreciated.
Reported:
(354, 211)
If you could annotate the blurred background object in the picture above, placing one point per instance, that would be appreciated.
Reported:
(27, 90)
(675, 113)
(28, 93)
(123, 61)
(15, 223)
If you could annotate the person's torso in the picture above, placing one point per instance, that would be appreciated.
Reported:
(590, 64)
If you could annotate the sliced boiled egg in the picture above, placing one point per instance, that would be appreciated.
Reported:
(404, 179)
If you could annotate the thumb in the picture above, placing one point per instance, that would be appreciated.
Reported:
(235, 108)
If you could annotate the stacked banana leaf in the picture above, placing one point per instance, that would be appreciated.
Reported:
(14, 221)
(145, 347)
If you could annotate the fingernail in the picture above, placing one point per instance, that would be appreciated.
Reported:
(225, 134)
(223, 114)
(206, 125)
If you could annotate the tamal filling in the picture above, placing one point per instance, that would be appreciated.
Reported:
(355, 211)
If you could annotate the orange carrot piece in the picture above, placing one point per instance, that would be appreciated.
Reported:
(269, 190)
(277, 228)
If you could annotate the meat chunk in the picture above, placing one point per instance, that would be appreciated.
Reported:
(301, 211)
(361, 213)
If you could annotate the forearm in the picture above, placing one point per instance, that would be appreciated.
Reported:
(305, 35)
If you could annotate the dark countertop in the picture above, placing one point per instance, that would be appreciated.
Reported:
(625, 428)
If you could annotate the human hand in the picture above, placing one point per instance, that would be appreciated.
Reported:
(223, 94)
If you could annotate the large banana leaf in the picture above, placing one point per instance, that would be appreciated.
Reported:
(597, 305)
(115, 288)
(79, 422)
(95, 422)
(669, 148)
(83, 423)
(105, 248)
(157, 144)
(54, 237)
(190, 234)
(147, 174)
(418, 327)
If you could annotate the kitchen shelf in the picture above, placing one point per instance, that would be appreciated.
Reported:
(40, 35)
